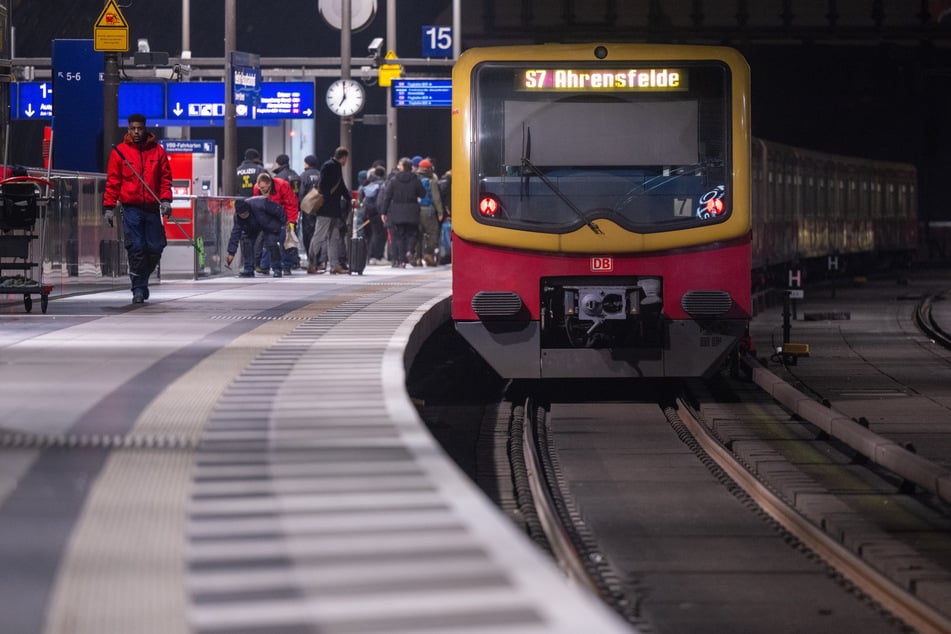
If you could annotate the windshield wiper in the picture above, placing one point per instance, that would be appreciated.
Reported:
(554, 188)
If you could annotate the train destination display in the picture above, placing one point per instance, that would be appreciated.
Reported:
(628, 79)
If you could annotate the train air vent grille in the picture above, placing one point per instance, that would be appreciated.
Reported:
(496, 304)
(706, 303)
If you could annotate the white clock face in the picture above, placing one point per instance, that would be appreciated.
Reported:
(345, 97)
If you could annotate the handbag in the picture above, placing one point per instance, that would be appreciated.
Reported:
(290, 240)
(312, 201)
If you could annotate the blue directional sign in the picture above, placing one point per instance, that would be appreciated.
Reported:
(437, 41)
(246, 83)
(147, 98)
(286, 100)
(196, 100)
(32, 100)
(177, 104)
(422, 92)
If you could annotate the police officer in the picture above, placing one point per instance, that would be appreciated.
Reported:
(248, 172)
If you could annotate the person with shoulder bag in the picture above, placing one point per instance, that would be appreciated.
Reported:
(308, 182)
(328, 238)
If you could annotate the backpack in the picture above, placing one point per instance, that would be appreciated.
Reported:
(371, 193)
(427, 200)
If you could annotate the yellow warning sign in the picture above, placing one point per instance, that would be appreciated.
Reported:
(112, 31)
(389, 72)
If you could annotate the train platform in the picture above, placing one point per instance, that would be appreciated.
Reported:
(240, 455)
(869, 362)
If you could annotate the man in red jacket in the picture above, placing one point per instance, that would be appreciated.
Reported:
(139, 178)
(279, 190)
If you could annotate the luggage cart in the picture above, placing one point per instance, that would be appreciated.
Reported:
(22, 200)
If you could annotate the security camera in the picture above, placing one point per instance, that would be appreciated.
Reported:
(376, 45)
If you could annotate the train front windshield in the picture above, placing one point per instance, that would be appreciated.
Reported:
(559, 146)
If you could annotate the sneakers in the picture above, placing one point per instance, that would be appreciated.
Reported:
(287, 271)
(315, 271)
(378, 262)
(145, 292)
(138, 297)
(258, 269)
(277, 273)
(339, 270)
(246, 274)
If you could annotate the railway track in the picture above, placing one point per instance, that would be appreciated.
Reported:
(795, 531)
(862, 583)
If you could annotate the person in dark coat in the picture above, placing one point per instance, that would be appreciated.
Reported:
(400, 208)
(248, 172)
(253, 217)
(247, 175)
(308, 180)
(332, 216)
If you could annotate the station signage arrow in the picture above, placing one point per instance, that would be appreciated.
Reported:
(178, 103)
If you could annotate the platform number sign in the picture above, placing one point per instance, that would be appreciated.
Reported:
(437, 41)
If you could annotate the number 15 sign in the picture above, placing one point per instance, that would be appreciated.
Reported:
(437, 41)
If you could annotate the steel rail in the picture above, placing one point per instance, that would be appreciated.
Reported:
(903, 605)
(567, 556)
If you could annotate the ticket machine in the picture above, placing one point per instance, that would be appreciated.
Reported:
(194, 173)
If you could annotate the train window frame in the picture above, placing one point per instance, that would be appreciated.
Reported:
(715, 153)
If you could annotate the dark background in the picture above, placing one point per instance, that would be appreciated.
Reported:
(872, 85)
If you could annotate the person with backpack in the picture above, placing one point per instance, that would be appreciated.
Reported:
(369, 210)
(430, 212)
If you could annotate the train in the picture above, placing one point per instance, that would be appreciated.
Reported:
(612, 212)
(820, 214)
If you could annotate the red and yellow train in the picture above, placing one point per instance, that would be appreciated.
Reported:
(603, 204)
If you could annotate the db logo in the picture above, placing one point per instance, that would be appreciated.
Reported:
(602, 264)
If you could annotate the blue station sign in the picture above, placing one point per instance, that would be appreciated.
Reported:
(206, 100)
(32, 100)
(188, 146)
(286, 100)
(179, 104)
(422, 93)
(195, 100)
(147, 98)
(246, 82)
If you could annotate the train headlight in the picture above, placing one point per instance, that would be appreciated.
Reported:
(489, 206)
(715, 207)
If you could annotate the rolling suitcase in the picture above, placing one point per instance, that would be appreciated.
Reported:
(358, 251)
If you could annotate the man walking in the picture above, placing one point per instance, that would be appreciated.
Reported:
(139, 178)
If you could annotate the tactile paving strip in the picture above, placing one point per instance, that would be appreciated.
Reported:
(313, 508)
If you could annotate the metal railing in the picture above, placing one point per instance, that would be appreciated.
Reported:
(78, 252)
